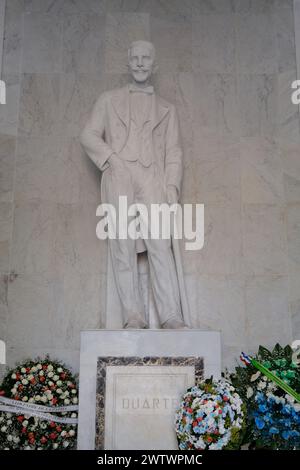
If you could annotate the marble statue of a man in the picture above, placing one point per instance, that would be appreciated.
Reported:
(132, 136)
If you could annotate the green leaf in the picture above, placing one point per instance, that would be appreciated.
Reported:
(264, 353)
(278, 351)
(288, 352)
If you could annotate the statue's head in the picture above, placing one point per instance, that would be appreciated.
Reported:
(141, 60)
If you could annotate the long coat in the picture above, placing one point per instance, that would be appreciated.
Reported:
(106, 132)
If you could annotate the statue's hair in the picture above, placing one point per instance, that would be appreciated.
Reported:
(140, 43)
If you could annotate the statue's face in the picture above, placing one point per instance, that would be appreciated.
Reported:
(141, 62)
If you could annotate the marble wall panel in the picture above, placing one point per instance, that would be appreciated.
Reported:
(6, 214)
(42, 43)
(39, 104)
(7, 167)
(264, 240)
(267, 313)
(214, 44)
(83, 43)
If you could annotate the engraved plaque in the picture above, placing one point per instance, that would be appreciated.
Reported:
(140, 404)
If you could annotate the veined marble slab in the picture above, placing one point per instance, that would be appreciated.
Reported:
(2, 16)
(164, 347)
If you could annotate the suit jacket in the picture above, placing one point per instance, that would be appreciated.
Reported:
(107, 130)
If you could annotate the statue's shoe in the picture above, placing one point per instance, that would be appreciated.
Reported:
(175, 325)
(135, 325)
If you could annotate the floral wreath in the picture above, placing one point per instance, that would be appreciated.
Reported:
(38, 407)
(273, 414)
(211, 416)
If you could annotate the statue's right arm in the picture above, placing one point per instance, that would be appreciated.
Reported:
(91, 137)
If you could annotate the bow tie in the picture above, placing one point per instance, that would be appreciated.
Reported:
(149, 89)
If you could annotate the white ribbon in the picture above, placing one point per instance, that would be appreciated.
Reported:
(41, 411)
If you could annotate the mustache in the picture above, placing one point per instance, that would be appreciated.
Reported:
(134, 69)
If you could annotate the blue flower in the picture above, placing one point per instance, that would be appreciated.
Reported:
(286, 434)
(260, 424)
(262, 408)
(260, 397)
(273, 430)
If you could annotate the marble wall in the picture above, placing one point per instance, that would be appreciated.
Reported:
(228, 65)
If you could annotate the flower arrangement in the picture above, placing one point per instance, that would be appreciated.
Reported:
(276, 422)
(29, 395)
(273, 415)
(211, 416)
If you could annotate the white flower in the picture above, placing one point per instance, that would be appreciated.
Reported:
(13, 376)
(14, 391)
(72, 433)
(1, 419)
(33, 369)
(3, 429)
(50, 383)
(44, 399)
(50, 396)
(73, 415)
(50, 367)
(261, 385)
(59, 369)
(66, 401)
(59, 383)
(16, 439)
(25, 423)
(31, 400)
(75, 400)
(37, 398)
(74, 391)
(24, 382)
(43, 425)
(55, 446)
(50, 374)
(9, 438)
(59, 391)
(289, 398)
(41, 372)
(25, 398)
(67, 393)
(255, 376)
(55, 378)
(9, 421)
(63, 433)
(66, 443)
(23, 370)
(39, 366)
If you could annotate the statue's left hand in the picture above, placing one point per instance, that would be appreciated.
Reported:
(172, 194)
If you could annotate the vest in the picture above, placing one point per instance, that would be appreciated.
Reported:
(139, 142)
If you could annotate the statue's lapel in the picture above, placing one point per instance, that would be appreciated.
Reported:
(159, 111)
(121, 105)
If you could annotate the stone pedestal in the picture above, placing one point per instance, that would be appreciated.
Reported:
(131, 382)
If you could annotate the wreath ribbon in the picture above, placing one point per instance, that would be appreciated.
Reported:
(42, 411)
(247, 360)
